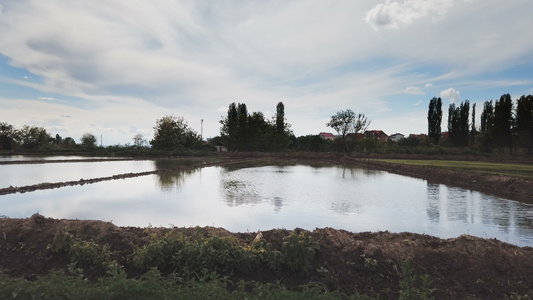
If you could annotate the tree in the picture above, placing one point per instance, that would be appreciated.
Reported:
(524, 121)
(259, 133)
(474, 130)
(312, 143)
(503, 120)
(228, 131)
(138, 140)
(435, 119)
(486, 126)
(242, 129)
(68, 142)
(458, 123)
(32, 137)
(88, 140)
(7, 136)
(252, 132)
(174, 133)
(58, 141)
(346, 121)
(464, 124)
(453, 124)
(487, 117)
(281, 136)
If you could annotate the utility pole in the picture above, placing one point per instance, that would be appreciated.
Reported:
(202, 129)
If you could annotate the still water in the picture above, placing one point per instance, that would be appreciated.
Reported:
(265, 197)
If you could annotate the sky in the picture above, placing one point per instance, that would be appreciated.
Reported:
(113, 68)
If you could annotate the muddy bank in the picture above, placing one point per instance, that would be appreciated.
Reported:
(205, 162)
(514, 188)
(366, 263)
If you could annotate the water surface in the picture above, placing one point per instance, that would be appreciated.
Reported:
(262, 198)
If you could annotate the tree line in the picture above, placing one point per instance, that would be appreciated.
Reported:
(244, 131)
(35, 137)
(503, 125)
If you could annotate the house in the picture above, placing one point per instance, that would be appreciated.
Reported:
(355, 136)
(421, 136)
(396, 137)
(376, 134)
(327, 136)
(221, 148)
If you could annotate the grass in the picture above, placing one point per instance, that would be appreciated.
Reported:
(515, 170)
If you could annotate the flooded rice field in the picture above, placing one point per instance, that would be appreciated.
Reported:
(258, 197)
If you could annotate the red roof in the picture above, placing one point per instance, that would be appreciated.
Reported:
(327, 134)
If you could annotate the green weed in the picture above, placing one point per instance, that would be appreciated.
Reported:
(415, 287)
(298, 252)
(81, 253)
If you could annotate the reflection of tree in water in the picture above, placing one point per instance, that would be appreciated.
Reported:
(524, 221)
(457, 205)
(344, 207)
(433, 209)
(354, 173)
(173, 164)
(169, 179)
(497, 212)
(237, 192)
(278, 203)
(250, 184)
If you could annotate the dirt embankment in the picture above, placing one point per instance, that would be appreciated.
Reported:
(367, 263)
(515, 188)
(205, 162)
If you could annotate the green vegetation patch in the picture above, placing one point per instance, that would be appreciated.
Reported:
(515, 170)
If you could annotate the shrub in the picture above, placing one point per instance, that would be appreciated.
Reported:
(298, 252)
(81, 253)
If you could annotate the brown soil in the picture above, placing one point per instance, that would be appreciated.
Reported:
(462, 267)
(514, 188)
(368, 263)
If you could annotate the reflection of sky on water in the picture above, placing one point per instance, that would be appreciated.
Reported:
(29, 174)
(249, 199)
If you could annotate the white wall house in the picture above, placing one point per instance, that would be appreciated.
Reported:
(396, 137)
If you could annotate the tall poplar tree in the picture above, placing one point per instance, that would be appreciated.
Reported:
(435, 119)
(280, 135)
(524, 121)
(503, 120)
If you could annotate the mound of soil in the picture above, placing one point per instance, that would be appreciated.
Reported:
(367, 263)
(514, 188)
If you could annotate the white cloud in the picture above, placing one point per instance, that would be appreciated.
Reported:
(413, 90)
(394, 14)
(192, 59)
(451, 94)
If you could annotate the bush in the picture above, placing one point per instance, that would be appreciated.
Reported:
(82, 253)
(298, 252)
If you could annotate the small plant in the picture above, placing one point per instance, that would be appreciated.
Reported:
(298, 252)
(369, 263)
(89, 253)
(408, 285)
(62, 241)
(81, 253)
(190, 255)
